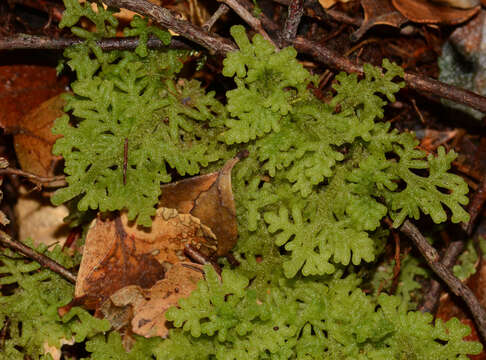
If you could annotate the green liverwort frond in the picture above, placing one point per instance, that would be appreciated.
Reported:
(102, 19)
(30, 311)
(267, 80)
(133, 121)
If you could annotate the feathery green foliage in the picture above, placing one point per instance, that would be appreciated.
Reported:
(29, 308)
(310, 197)
(132, 122)
(305, 319)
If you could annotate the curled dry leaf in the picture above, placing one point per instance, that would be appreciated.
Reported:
(33, 138)
(210, 198)
(427, 12)
(118, 254)
(378, 12)
(133, 274)
(149, 305)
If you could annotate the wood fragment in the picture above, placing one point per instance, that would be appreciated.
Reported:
(248, 17)
(295, 12)
(454, 284)
(43, 260)
(475, 206)
(432, 296)
(168, 19)
(52, 181)
(25, 41)
(221, 11)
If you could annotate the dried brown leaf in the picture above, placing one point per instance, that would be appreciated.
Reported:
(149, 305)
(118, 254)
(326, 4)
(426, 12)
(378, 12)
(24, 87)
(210, 198)
(34, 139)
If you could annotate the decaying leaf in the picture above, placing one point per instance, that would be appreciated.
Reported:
(118, 254)
(149, 305)
(130, 274)
(460, 4)
(210, 198)
(326, 4)
(378, 12)
(33, 138)
(24, 87)
(426, 12)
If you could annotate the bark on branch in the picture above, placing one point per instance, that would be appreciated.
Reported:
(43, 260)
(24, 41)
(441, 270)
(169, 20)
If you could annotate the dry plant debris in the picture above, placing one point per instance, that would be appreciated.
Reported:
(124, 264)
(33, 138)
(426, 12)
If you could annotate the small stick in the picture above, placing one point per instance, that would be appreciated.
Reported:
(43, 260)
(314, 9)
(192, 253)
(417, 110)
(243, 13)
(396, 268)
(432, 297)
(296, 10)
(168, 19)
(456, 286)
(24, 41)
(125, 160)
(477, 202)
(414, 81)
(222, 10)
(54, 181)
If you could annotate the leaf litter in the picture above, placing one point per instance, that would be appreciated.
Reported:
(131, 275)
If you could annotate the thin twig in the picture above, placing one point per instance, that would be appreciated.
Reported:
(220, 45)
(456, 286)
(54, 181)
(417, 82)
(192, 253)
(314, 9)
(221, 11)
(296, 10)
(24, 41)
(169, 20)
(474, 209)
(432, 296)
(43, 260)
(246, 15)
